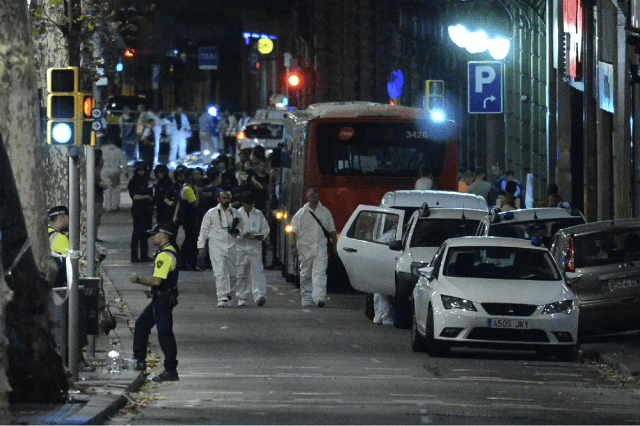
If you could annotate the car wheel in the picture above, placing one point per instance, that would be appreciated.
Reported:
(418, 342)
(369, 310)
(567, 353)
(434, 347)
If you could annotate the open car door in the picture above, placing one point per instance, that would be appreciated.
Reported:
(363, 247)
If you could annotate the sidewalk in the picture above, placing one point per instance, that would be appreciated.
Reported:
(98, 395)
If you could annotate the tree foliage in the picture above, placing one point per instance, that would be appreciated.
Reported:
(96, 31)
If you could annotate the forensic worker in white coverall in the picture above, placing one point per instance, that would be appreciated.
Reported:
(220, 226)
(313, 227)
(253, 230)
(179, 133)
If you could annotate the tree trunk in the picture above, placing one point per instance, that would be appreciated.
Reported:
(35, 370)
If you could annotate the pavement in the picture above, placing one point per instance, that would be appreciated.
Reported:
(97, 396)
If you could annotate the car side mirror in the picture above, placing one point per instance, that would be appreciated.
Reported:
(395, 245)
(572, 277)
(426, 272)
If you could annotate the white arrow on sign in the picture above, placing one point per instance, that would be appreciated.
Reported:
(96, 113)
(96, 125)
(490, 98)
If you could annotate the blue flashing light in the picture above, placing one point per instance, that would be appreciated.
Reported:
(119, 67)
(246, 35)
(536, 240)
(247, 40)
(437, 115)
(255, 35)
(213, 111)
(272, 37)
(285, 101)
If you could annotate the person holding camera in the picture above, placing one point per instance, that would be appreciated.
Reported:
(220, 227)
(249, 266)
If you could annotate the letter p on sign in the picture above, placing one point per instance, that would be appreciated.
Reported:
(485, 87)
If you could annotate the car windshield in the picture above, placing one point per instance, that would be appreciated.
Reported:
(434, 232)
(607, 247)
(264, 131)
(382, 148)
(503, 263)
(544, 228)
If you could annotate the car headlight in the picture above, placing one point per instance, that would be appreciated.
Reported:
(564, 307)
(450, 302)
(417, 265)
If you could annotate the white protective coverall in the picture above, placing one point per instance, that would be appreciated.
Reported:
(312, 252)
(115, 163)
(222, 248)
(178, 136)
(158, 122)
(249, 262)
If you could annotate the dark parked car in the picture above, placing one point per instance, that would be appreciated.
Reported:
(605, 256)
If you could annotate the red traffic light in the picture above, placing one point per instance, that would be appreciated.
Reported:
(294, 80)
(129, 52)
(87, 106)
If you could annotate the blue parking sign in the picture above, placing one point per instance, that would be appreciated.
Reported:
(485, 87)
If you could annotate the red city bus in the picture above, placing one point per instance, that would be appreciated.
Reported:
(354, 153)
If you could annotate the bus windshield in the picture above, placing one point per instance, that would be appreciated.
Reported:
(382, 148)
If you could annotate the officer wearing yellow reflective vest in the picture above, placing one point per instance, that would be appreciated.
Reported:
(59, 243)
(164, 293)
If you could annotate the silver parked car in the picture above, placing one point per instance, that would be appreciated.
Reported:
(605, 258)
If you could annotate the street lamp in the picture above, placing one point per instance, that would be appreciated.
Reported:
(481, 26)
(478, 42)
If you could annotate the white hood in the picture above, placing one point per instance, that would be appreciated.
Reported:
(505, 291)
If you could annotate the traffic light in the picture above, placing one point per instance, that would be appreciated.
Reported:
(62, 105)
(67, 109)
(129, 53)
(435, 95)
(295, 80)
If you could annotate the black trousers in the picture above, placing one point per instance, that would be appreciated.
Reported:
(140, 238)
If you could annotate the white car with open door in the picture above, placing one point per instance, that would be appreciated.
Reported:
(382, 248)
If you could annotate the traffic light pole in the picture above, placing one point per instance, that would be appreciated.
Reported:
(91, 227)
(74, 254)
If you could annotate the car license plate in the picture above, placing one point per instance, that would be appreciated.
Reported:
(623, 283)
(509, 323)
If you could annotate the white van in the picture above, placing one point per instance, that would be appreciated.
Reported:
(383, 247)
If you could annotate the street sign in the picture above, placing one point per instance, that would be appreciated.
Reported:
(485, 87)
(96, 113)
(208, 58)
(96, 126)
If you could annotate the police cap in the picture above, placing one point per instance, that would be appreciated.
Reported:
(161, 227)
(57, 210)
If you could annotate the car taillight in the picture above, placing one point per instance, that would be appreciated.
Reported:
(569, 258)
(241, 136)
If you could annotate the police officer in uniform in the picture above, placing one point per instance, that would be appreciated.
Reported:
(142, 211)
(59, 243)
(164, 294)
